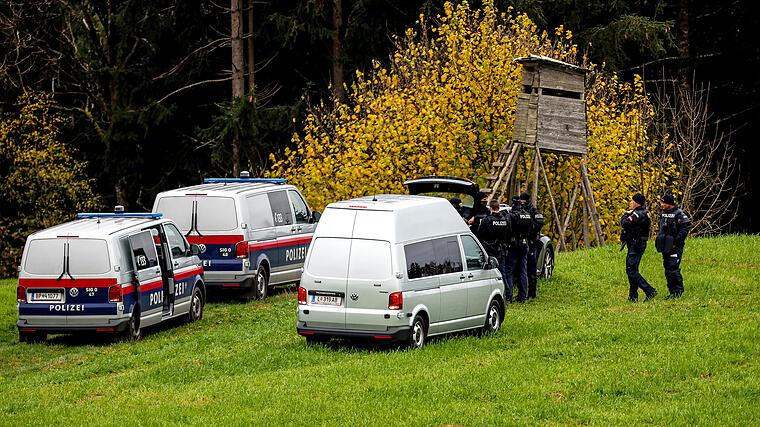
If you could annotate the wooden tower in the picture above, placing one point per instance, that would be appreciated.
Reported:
(550, 117)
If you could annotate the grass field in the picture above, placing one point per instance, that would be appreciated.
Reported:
(579, 354)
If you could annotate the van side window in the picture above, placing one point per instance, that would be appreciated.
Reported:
(420, 259)
(472, 253)
(280, 208)
(176, 241)
(299, 207)
(143, 250)
(448, 257)
(260, 211)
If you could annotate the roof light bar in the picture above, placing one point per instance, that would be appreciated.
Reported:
(269, 180)
(120, 214)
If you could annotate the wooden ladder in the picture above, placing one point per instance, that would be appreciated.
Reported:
(501, 170)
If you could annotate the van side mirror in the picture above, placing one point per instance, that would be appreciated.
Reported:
(315, 215)
(194, 249)
(491, 264)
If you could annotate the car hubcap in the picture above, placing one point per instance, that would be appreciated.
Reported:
(418, 337)
(548, 265)
(261, 284)
(494, 318)
(196, 305)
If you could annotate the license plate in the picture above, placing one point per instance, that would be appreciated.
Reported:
(326, 300)
(46, 296)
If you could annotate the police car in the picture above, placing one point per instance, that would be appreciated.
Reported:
(253, 232)
(107, 272)
(465, 190)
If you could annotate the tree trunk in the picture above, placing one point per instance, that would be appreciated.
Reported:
(238, 72)
(337, 51)
(250, 49)
(683, 39)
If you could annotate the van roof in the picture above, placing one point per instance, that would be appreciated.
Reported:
(224, 188)
(96, 227)
(397, 218)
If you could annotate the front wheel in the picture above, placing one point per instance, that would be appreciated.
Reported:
(132, 332)
(418, 336)
(548, 265)
(196, 306)
(493, 318)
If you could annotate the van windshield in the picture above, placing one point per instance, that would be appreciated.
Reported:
(86, 256)
(211, 213)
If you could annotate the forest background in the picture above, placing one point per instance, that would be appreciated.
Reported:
(107, 103)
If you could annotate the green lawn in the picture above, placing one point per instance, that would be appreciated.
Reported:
(579, 354)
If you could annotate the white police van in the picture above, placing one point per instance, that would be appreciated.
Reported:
(253, 232)
(107, 272)
(397, 267)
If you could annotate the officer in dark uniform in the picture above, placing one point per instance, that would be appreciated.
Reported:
(635, 233)
(671, 236)
(456, 202)
(494, 233)
(536, 224)
(517, 255)
(478, 212)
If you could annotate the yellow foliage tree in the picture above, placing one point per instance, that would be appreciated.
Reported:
(446, 104)
(41, 183)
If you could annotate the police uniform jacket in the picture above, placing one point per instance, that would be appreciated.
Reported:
(537, 222)
(635, 224)
(673, 228)
(521, 222)
(494, 232)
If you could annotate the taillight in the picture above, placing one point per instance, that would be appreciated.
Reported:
(20, 294)
(241, 250)
(301, 295)
(395, 301)
(114, 293)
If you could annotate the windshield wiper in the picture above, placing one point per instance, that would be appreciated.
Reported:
(66, 263)
(194, 221)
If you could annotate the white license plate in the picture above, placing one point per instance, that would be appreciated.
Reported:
(46, 296)
(326, 300)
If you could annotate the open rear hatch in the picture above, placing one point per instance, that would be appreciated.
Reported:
(442, 184)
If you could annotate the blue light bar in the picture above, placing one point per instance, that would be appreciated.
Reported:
(269, 180)
(120, 214)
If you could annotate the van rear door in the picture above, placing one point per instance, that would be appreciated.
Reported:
(370, 283)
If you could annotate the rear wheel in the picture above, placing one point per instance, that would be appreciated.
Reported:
(31, 337)
(132, 332)
(261, 283)
(196, 306)
(418, 336)
(548, 266)
(493, 318)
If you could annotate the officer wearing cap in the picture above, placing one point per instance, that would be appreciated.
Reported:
(635, 233)
(517, 255)
(673, 228)
(478, 212)
(456, 202)
(536, 223)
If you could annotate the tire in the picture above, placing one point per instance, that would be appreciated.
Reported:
(493, 318)
(196, 306)
(31, 337)
(261, 284)
(418, 336)
(132, 331)
(547, 267)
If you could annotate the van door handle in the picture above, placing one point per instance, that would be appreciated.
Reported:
(300, 228)
(469, 276)
(461, 277)
(176, 263)
(293, 230)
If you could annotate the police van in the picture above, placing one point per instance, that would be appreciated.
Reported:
(107, 272)
(253, 232)
(396, 267)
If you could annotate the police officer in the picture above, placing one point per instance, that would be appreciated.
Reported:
(673, 228)
(517, 255)
(456, 202)
(494, 233)
(536, 224)
(478, 212)
(635, 233)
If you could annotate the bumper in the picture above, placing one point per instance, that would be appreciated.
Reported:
(230, 283)
(399, 333)
(117, 325)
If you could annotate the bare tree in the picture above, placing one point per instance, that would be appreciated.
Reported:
(708, 174)
(337, 51)
(238, 71)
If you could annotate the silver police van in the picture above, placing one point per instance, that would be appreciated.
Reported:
(396, 267)
(107, 272)
(253, 232)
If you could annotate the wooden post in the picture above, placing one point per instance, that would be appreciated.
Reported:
(562, 246)
(586, 239)
(535, 177)
(591, 204)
